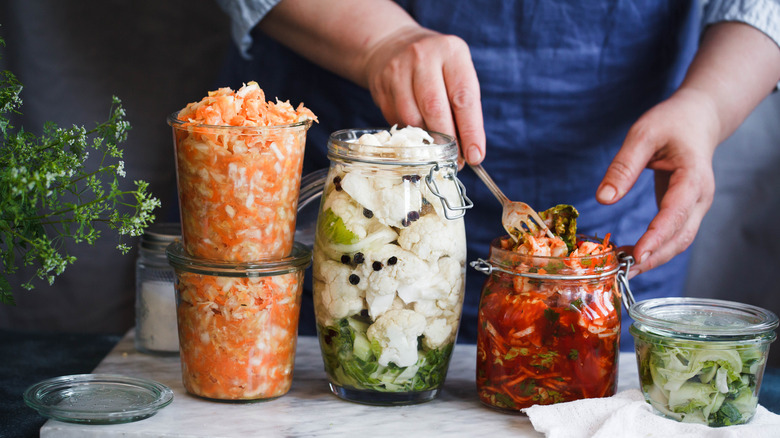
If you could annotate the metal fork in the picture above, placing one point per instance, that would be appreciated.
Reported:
(518, 217)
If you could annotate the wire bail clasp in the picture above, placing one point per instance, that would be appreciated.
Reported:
(451, 212)
(626, 261)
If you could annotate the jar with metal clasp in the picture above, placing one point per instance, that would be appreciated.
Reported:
(548, 327)
(389, 265)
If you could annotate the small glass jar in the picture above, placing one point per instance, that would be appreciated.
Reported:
(548, 328)
(238, 323)
(155, 299)
(702, 360)
(389, 267)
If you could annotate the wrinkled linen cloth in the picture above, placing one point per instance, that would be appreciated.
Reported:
(628, 415)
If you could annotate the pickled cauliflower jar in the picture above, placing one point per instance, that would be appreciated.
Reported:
(389, 264)
(238, 166)
(238, 324)
(548, 322)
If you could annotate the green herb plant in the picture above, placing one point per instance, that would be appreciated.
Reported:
(49, 195)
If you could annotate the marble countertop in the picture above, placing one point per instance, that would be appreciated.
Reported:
(309, 409)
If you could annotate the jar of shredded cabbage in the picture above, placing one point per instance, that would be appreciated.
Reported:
(389, 264)
(701, 360)
(238, 323)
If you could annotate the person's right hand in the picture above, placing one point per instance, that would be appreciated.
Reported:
(423, 78)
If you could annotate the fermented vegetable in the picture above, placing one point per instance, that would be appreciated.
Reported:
(239, 161)
(549, 318)
(697, 382)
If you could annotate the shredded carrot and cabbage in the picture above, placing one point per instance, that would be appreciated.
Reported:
(239, 161)
(238, 335)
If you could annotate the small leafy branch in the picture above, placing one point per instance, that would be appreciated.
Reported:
(48, 195)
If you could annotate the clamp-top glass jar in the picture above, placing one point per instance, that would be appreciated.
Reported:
(389, 264)
(155, 303)
(548, 327)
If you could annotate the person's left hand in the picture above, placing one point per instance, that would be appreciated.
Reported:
(676, 139)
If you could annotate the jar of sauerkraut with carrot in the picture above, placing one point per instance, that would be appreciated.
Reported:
(238, 323)
(238, 166)
(549, 317)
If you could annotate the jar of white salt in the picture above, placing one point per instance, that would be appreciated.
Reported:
(155, 303)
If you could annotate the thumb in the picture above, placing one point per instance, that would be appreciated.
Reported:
(625, 168)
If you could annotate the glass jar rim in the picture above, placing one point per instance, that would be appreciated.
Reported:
(175, 122)
(702, 318)
(343, 145)
(299, 259)
(511, 260)
(159, 235)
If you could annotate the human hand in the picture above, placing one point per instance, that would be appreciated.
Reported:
(423, 78)
(676, 139)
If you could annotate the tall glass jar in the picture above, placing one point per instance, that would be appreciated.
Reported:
(389, 266)
(548, 328)
(155, 299)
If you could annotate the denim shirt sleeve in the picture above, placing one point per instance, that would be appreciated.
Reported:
(244, 15)
(763, 15)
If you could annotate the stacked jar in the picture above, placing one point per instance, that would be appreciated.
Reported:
(239, 273)
(389, 264)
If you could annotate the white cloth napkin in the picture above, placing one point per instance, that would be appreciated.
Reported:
(626, 414)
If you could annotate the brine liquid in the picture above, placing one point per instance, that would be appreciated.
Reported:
(541, 344)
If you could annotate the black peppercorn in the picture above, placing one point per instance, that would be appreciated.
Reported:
(377, 266)
(345, 259)
(392, 260)
(358, 258)
(368, 213)
(354, 279)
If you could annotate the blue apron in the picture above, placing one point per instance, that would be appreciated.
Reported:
(561, 83)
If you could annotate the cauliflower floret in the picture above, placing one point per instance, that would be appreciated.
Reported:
(390, 199)
(450, 284)
(438, 332)
(440, 290)
(430, 238)
(337, 296)
(390, 269)
(396, 333)
(407, 136)
(350, 212)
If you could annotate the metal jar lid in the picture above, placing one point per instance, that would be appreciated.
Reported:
(158, 236)
(299, 259)
(703, 319)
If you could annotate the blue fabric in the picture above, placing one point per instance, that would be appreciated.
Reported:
(561, 82)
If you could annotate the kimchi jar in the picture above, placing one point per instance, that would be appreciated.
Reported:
(548, 329)
(238, 324)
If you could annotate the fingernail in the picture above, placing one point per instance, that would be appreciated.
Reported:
(644, 256)
(473, 155)
(607, 192)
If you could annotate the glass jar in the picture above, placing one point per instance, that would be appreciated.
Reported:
(548, 328)
(389, 267)
(155, 297)
(702, 360)
(238, 323)
(238, 188)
